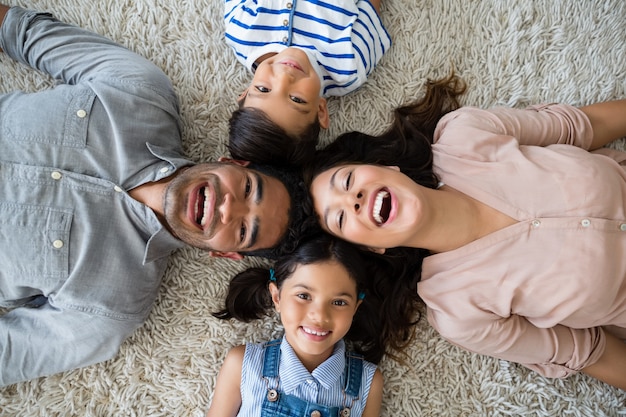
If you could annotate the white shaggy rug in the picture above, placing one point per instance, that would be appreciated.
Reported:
(511, 53)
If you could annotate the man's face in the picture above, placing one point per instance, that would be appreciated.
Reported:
(227, 208)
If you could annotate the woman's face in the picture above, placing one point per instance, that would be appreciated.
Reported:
(371, 205)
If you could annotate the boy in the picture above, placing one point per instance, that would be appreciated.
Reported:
(300, 53)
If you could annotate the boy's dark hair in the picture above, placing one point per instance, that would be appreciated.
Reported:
(381, 320)
(253, 136)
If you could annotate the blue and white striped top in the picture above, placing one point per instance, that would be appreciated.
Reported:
(345, 37)
(323, 386)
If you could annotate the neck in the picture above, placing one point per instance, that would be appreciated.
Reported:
(456, 220)
(152, 195)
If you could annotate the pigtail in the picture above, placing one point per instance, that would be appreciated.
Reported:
(248, 297)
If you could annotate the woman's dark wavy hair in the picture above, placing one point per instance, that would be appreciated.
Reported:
(406, 144)
(377, 324)
(253, 136)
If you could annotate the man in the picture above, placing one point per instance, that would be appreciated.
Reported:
(95, 194)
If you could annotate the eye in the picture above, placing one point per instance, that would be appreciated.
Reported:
(248, 187)
(340, 219)
(297, 100)
(242, 233)
(348, 180)
(262, 89)
(303, 296)
(340, 303)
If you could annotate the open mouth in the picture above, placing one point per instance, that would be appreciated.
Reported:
(291, 63)
(382, 207)
(200, 209)
(314, 332)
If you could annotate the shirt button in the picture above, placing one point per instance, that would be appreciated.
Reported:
(288, 5)
(81, 113)
(585, 223)
(285, 39)
(164, 170)
(58, 244)
(622, 227)
(536, 223)
(118, 189)
(56, 175)
(316, 413)
(285, 22)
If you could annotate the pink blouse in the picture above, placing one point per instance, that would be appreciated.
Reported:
(543, 291)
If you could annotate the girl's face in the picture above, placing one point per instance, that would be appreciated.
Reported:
(375, 206)
(316, 306)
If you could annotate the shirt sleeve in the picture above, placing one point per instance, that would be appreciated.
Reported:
(43, 341)
(555, 352)
(72, 54)
(541, 125)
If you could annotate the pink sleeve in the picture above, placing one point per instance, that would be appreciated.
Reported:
(539, 125)
(554, 352)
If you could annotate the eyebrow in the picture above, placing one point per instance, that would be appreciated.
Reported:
(332, 185)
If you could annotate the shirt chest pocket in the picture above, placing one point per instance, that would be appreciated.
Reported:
(55, 117)
(34, 245)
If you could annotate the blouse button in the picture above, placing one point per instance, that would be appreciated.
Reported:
(81, 113)
(536, 223)
(585, 223)
(316, 413)
(345, 412)
(622, 227)
(57, 244)
(285, 39)
(56, 175)
(288, 5)
(285, 22)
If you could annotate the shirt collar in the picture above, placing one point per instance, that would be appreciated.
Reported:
(293, 373)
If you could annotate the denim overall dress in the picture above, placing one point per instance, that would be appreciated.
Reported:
(279, 404)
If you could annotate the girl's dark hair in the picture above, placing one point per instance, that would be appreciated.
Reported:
(378, 322)
(254, 137)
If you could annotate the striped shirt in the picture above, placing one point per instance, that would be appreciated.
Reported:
(344, 39)
(323, 386)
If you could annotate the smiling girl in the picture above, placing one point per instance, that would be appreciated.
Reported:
(325, 292)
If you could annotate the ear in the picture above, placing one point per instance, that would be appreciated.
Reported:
(235, 256)
(394, 167)
(233, 161)
(275, 292)
(242, 97)
(322, 113)
(380, 251)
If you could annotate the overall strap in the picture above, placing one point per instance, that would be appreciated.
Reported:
(353, 373)
(271, 359)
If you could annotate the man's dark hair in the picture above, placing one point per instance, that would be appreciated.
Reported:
(302, 221)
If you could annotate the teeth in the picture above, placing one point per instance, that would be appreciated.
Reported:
(204, 208)
(310, 331)
(378, 204)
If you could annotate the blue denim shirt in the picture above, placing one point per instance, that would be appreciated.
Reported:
(72, 241)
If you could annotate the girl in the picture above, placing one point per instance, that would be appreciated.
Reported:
(324, 293)
(519, 217)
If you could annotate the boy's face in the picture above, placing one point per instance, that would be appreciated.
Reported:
(286, 87)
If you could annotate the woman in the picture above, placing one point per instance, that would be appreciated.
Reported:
(520, 220)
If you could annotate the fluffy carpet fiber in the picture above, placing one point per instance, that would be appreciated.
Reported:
(511, 53)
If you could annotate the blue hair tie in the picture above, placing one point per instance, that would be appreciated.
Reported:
(361, 295)
(272, 275)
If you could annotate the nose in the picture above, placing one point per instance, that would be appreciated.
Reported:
(355, 201)
(319, 313)
(231, 209)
